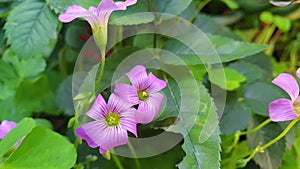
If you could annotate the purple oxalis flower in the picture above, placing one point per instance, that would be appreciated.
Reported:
(144, 91)
(285, 109)
(112, 121)
(97, 17)
(6, 127)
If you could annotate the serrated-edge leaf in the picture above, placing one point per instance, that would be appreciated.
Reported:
(203, 155)
(31, 28)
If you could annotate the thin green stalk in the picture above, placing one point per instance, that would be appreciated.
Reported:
(100, 75)
(280, 136)
(116, 159)
(268, 34)
(137, 163)
(256, 128)
(239, 133)
(261, 149)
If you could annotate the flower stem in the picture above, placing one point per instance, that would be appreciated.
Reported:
(239, 133)
(263, 124)
(261, 149)
(116, 159)
(137, 163)
(276, 139)
(100, 75)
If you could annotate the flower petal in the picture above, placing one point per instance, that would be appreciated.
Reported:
(282, 110)
(113, 136)
(76, 11)
(92, 132)
(106, 7)
(117, 105)
(149, 109)
(99, 109)
(298, 73)
(127, 92)
(155, 84)
(6, 127)
(137, 76)
(128, 121)
(288, 83)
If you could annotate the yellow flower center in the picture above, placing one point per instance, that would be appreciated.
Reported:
(112, 119)
(143, 95)
(297, 109)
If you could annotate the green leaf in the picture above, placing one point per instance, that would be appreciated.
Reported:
(226, 48)
(31, 29)
(199, 154)
(258, 96)
(272, 156)
(10, 112)
(21, 130)
(264, 62)
(42, 148)
(6, 71)
(236, 115)
(35, 96)
(8, 88)
(249, 70)
(59, 6)
(133, 15)
(174, 7)
(232, 77)
(64, 99)
(43, 122)
(172, 94)
(37, 64)
(208, 24)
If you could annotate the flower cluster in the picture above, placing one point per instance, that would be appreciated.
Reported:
(112, 120)
(286, 109)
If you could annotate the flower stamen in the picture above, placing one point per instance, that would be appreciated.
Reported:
(143, 95)
(112, 119)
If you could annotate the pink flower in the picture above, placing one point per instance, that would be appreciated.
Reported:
(112, 121)
(285, 109)
(6, 127)
(97, 17)
(143, 92)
